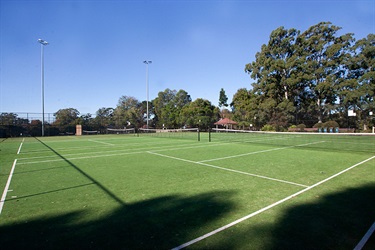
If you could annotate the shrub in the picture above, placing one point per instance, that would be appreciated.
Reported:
(331, 124)
(292, 128)
(268, 127)
(318, 125)
(301, 127)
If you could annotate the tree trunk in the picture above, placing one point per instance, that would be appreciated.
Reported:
(319, 110)
(286, 92)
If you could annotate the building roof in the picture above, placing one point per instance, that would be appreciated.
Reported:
(225, 121)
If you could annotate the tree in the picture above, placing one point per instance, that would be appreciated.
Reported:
(104, 118)
(244, 107)
(300, 76)
(128, 113)
(275, 69)
(200, 113)
(35, 128)
(66, 119)
(8, 118)
(223, 99)
(163, 108)
(323, 54)
(181, 99)
(276, 65)
(87, 122)
(11, 125)
(168, 106)
(358, 90)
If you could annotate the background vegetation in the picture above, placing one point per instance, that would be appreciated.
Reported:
(301, 79)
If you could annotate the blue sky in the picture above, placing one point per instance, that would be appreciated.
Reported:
(97, 48)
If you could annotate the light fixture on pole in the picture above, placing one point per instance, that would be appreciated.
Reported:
(147, 63)
(43, 43)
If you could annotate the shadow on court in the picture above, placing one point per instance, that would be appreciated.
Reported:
(335, 221)
(160, 223)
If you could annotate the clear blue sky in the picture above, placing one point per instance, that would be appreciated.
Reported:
(97, 48)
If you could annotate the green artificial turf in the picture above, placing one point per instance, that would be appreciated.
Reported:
(146, 192)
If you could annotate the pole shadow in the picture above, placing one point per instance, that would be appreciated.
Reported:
(93, 180)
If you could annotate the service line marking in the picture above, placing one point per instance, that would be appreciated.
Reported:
(267, 207)
(2, 201)
(97, 154)
(19, 149)
(102, 142)
(227, 169)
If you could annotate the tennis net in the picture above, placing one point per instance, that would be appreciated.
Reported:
(121, 131)
(90, 132)
(353, 142)
(188, 133)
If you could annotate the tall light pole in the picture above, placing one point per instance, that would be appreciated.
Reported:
(42, 44)
(147, 63)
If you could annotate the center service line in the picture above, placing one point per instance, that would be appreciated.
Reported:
(268, 207)
(19, 149)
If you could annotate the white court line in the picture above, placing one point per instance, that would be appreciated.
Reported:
(365, 238)
(228, 169)
(127, 145)
(102, 142)
(160, 148)
(2, 201)
(262, 151)
(19, 149)
(78, 158)
(266, 208)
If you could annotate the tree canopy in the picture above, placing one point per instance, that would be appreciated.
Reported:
(310, 77)
(223, 99)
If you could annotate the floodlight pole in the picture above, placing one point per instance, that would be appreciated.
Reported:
(147, 63)
(42, 44)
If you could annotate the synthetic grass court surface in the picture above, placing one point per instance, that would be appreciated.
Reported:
(129, 192)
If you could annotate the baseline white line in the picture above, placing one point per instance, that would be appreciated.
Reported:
(262, 151)
(228, 169)
(365, 238)
(266, 208)
(7, 186)
(19, 149)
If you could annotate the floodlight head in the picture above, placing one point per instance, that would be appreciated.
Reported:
(41, 41)
(147, 62)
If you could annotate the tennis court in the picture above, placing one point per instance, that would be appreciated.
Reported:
(197, 191)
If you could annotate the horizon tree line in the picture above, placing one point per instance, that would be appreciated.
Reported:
(300, 78)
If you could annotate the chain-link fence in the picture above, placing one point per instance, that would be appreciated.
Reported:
(13, 124)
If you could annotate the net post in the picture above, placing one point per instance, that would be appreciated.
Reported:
(199, 135)
(209, 135)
